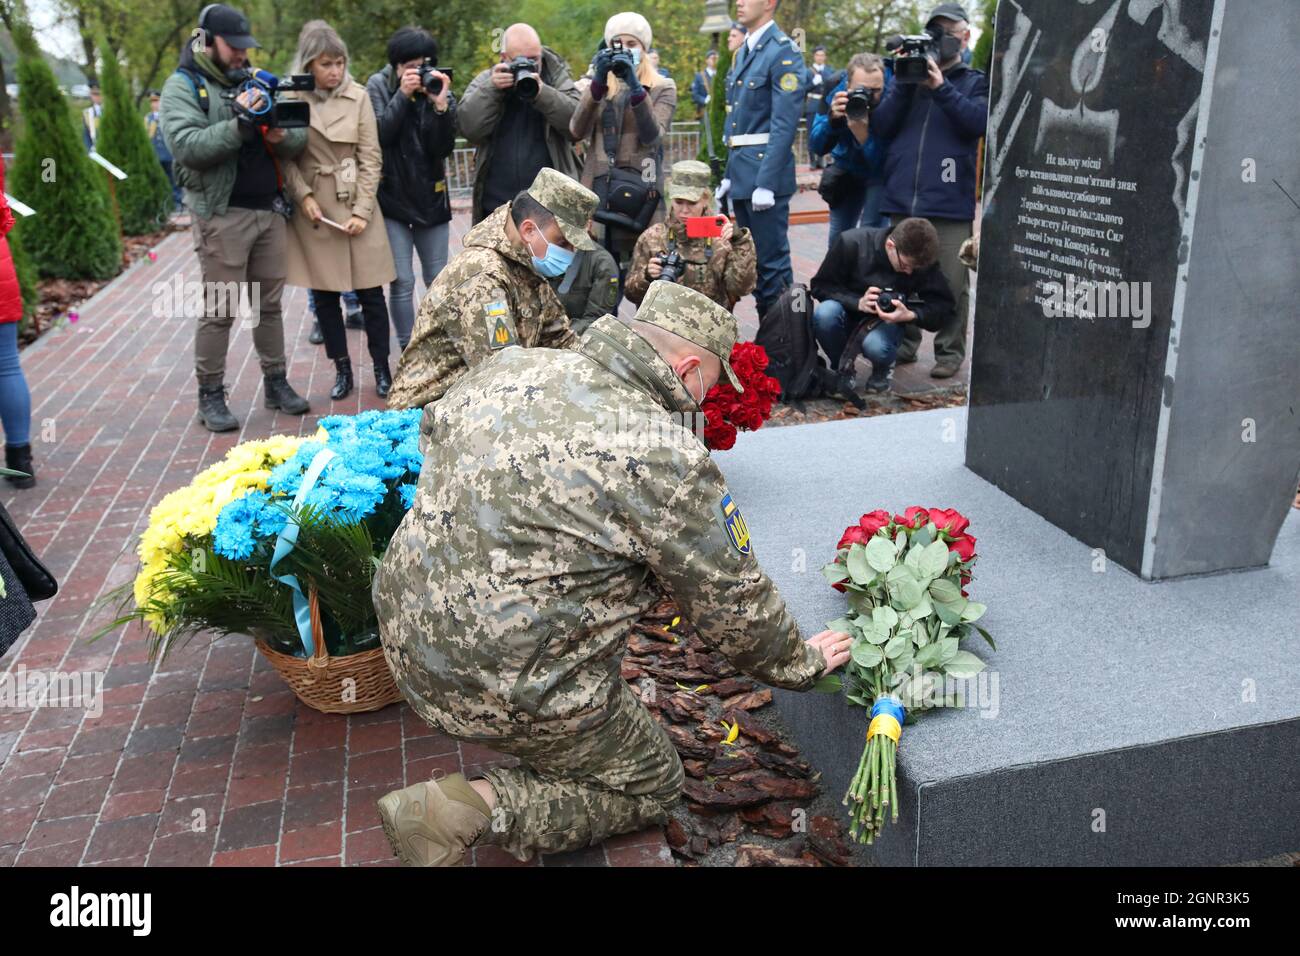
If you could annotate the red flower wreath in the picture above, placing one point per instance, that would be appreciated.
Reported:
(727, 410)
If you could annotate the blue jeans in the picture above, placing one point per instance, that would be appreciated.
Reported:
(860, 208)
(431, 243)
(15, 399)
(831, 326)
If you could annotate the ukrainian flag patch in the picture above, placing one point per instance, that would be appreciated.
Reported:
(737, 530)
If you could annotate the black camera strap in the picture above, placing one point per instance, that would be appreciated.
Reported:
(608, 122)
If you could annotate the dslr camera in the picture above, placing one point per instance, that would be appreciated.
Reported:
(621, 63)
(275, 113)
(430, 83)
(910, 53)
(673, 265)
(527, 84)
(861, 102)
(890, 299)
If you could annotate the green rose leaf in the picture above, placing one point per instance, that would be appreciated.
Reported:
(885, 617)
(929, 655)
(964, 664)
(858, 567)
(944, 591)
(948, 613)
(973, 611)
(840, 624)
(835, 573)
(923, 536)
(866, 655)
(947, 649)
(881, 554)
(898, 644)
(987, 636)
(934, 560)
(828, 684)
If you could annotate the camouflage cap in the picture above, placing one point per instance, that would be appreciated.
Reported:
(695, 317)
(570, 202)
(690, 179)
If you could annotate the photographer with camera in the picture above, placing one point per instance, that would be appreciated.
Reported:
(854, 186)
(517, 113)
(415, 111)
(935, 113)
(623, 116)
(228, 161)
(873, 284)
(338, 242)
(719, 262)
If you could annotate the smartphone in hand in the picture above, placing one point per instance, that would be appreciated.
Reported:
(704, 227)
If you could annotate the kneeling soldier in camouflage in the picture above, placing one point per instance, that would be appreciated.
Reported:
(559, 493)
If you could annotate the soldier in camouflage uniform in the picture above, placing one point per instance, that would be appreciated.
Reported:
(724, 269)
(495, 293)
(560, 493)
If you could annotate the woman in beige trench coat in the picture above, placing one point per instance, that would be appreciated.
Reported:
(336, 178)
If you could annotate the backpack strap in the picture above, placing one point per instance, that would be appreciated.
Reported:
(200, 89)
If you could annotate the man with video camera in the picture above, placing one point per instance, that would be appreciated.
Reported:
(517, 113)
(873, 284)
(934, 114)
(228, 160)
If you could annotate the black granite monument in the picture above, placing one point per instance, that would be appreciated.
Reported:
(1137, 340)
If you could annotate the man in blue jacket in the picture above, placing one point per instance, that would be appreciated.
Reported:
(703, 83)
(858, 151)
(935, 128)
(764, 100)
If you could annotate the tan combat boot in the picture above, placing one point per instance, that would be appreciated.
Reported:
(431, 823)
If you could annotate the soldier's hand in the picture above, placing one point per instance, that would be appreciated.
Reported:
(835, 646)
(727, 231)
(654, 268)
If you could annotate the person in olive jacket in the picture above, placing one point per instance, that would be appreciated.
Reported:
(417, 131)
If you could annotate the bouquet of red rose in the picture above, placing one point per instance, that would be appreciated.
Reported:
(905, 578)
(727, 410)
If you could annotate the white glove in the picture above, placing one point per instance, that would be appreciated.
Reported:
(762, 199)
(723, 188)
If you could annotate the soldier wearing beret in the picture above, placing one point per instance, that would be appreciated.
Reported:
(495, 292)
(724, 268)
(560, 497)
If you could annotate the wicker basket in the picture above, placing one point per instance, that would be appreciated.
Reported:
(317, 681)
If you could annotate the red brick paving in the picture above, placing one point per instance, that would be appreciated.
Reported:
(208, 759)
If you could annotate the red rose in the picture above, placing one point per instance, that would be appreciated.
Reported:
(964, 546)
(950, 520)
(873, 522)
(854, 534)
(914, 517)
(719, 435)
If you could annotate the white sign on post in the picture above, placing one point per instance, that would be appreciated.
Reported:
(113, 170)
(19, 207)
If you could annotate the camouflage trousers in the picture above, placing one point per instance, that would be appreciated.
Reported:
(577, 790)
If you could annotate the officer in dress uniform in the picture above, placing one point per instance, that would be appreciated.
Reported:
(765, 94)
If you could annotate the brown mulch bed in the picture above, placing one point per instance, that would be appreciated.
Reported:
(60, 296)
(827, 410)
(752, 796)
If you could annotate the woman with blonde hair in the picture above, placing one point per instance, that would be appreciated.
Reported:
(336, 178)
(634, 104)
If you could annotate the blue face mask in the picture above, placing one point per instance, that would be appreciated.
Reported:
(555, 263)
(636, 57)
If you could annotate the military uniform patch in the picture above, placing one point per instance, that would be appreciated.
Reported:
(789, 82)
(500, 330)
(737, 530)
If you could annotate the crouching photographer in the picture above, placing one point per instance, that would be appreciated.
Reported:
(694, 248)
(872, 283)
(228, 159)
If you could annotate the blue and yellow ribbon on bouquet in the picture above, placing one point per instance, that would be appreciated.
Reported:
(887, 715)
(285, 542)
